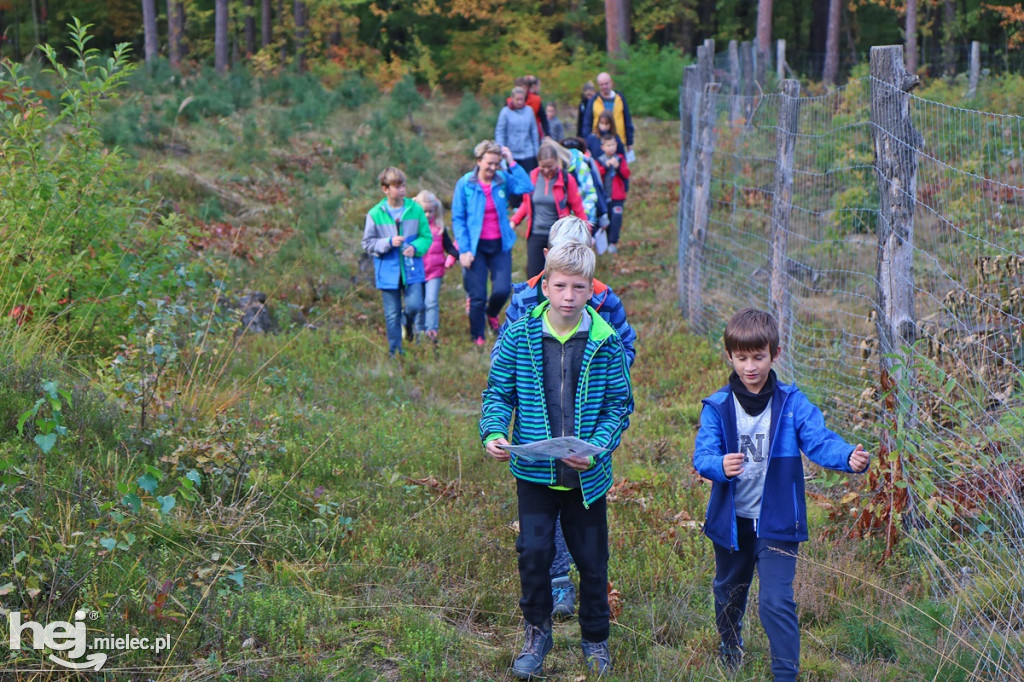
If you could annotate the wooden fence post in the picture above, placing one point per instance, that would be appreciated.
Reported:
(706, 61)
(896, 143)
(688, 101)
(789, 116)
(747, 74)
(975, 70)
(705, 141)
(780, 59)
(734, 82)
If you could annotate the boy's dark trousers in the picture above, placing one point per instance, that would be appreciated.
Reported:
(615, 208)
(776, 567)
(586, 534)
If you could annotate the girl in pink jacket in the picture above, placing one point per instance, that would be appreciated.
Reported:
(441, 255)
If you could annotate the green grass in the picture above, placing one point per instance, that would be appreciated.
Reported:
(348, 525)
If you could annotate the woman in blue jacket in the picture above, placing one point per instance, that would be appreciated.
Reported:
(482, 231)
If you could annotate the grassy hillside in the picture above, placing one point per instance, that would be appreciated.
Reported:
(295, 506)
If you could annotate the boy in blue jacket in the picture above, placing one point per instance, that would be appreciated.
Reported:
(749, 443)
(397, 235)
(562, 370)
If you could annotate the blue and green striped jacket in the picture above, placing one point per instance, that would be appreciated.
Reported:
(604, 398)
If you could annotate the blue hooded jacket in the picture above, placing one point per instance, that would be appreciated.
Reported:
(469, 201)
(796, 426)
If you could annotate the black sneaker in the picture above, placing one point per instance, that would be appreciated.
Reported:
(530, 661)
(409, 336)
(596, 657)
(731, 657)
(563, 594)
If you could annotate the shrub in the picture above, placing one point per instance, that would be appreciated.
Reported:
(470, 120)
(650, 78)
(72, 218)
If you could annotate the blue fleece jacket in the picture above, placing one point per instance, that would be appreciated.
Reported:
(469, 202)
(797, 425)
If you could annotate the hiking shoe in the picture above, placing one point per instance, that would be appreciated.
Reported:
(596, 657)
(479, 341)
(563, 593)
(409, 335)
(530, 661)
(494, 323)
(432, 335)
(612, 248)
(731, 657)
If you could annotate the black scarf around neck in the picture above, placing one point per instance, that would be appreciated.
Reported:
(753, 403)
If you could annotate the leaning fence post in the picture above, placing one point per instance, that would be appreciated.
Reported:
(705, 141)
(975, 69)
(688, 100)
(789, 115)
(896, 143)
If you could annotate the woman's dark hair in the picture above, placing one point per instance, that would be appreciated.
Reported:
(607, 116)
(574, 143)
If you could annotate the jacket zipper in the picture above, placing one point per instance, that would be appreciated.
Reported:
(584, 388)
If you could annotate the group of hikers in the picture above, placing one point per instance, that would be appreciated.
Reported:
(560, 369)
(523, 168)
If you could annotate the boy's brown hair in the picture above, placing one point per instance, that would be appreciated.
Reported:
(750, 330)
(391, 176)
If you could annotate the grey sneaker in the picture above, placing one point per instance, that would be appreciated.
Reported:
(563, 593)
(596, 657)
(612, 248)
(530, 661)
(731, 657)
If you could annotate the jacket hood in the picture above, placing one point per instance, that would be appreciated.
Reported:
(599, 329)
(471, 177)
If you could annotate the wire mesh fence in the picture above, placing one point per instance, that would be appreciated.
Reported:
(886, 232)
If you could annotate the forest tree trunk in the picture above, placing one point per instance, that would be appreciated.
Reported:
(173, 34)
(832, 42)
(220, 36)
(151, 47)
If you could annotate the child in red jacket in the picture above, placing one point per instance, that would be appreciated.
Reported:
(614, 173)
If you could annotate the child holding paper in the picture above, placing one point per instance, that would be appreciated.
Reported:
(582, 389)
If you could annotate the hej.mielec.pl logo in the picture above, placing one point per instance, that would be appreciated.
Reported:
(72, 638)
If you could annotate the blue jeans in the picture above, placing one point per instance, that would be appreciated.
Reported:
(586, 532)
(489, 258)
(430, 316)
(775, 562)
(615, 209)
(393, 311)
(563, 560)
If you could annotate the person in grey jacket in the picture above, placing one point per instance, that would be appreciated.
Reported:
(517, 130)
